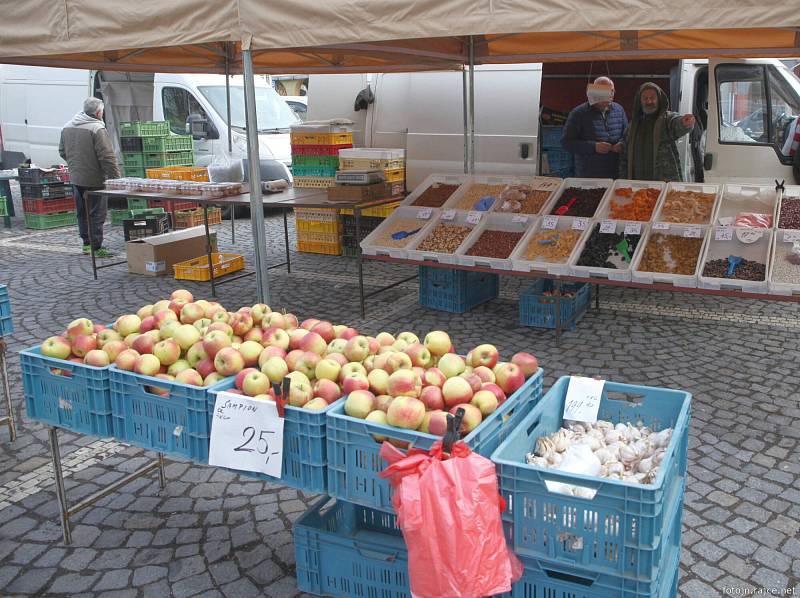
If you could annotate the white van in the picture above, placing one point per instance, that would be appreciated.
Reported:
(751, 101)
(36, 102)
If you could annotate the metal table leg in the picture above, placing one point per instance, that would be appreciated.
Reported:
(233, 221)
(9, 417)
(597, 296)
(557, 292)
(359, 261)
(286, 241)
(65, 511)
(208, 252)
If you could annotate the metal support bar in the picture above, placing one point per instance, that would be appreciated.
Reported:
(359, 260)
(597, 296)
(465, 110)
(209, 253)
(95, 267)
(471, 105)
(391, 286)
(65, 511)
(9, 418)
(557, 292)
(286, 242)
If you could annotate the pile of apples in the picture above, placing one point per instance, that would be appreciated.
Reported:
(400, 381)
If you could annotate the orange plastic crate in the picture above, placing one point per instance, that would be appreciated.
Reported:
(190, 218)
(322, 138)
(197, 268)
(179, 173)
(326, 248)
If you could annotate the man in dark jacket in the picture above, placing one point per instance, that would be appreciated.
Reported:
(86, 147)
(594, 131)
(649, 151)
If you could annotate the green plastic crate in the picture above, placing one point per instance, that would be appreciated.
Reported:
(317, 161)
(118, 216)
(147, 212)
(171, 143)
(133, 160)
(131, 171)
(156, 128)
(184, 158)
(137, 203)
(3, 206)
(43, 221)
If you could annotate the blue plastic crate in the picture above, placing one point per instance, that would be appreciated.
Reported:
(174, 425)
(551, 136)
(65, 394)
(304, 446)
(622, 530)
(346, 550)
(542, 578)
(6, 325)
(354, 455)
(539, 310)
(456, 291)
(558, 162)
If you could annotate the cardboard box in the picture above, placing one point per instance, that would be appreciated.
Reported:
(359, 192)
(155, 256)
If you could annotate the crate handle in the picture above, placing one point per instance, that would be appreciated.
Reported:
(375, 554)
(635, 399)
(584, 581)
(61, 372)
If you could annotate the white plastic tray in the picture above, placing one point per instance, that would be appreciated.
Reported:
(580, 184)
(609, 273)
(321, 128)
(759, 251)
(699, 187)
(520, 263)
(779, 238)
(459, 219)
(370, 245)
(679, 280)
(605, 207)
(481, 179)
(790, 191)
(512, 223)
(538, 183)
(736, 198)
(372, 153)
(449, 179)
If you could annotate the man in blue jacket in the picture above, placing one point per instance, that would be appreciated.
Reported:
(594, 132)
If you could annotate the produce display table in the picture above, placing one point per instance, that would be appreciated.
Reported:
(285, 201)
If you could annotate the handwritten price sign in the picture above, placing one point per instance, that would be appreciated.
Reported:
(246, 434)
(583, 399)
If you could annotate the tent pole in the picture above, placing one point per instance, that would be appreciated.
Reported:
(228, 96)
(465, 107)
(471, 105)
(256, 209)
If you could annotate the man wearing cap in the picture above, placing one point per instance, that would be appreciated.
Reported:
(594, 132)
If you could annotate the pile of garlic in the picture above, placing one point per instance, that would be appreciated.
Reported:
(630, 453)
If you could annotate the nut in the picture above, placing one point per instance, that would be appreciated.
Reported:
(435, 196)
(476, 192)
(444, 238)
(403, 224)
(495, 243)
(553, 246)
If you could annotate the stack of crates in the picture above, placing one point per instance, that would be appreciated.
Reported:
(150, 145)
(47, 198)
(392, 162)
(371, 218)
(175, 173)
(318, 230)
(315, 154)
(554, 160)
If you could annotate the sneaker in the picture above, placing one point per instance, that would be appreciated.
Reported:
(86, 249)
(103, 252)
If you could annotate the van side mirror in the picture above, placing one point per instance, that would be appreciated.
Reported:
(199, 127)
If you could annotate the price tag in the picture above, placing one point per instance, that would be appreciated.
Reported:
(583, 399)
(550, 222)
(608, 226)
(693, 232)
(522, 219)
(661, 226)
(580, 223)
(723, 234)
(448, 214)
(633, 228)
(791, 236)
(474, 217)
(424, 213)
(246, 434)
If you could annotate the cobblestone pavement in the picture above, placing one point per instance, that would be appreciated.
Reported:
(213, 533)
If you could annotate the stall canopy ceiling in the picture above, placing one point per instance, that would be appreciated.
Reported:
(341, 35)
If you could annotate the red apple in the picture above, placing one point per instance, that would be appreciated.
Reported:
(258, 311)
(405, 412)
(486, 401)
(472, 417)
(214, 341)
(309, 323)
(456, 391)
(313, 342)
(167, 351)
(255, 383)
(228, 361)
(84, 327)
(359, 403)
(292, 357)
(189, 376)
(276, 337)
(148, 365)
(114, 348)
(84, 343)
(357, 348)
(404, 383)
(327, 389)
(144, 343)
(347, 334)
(238, 381)
(182, 294)
(354, 381)
(485, 355)
(434, 377)
(498, 392)
(325, 330)
(97, 358)
(526, 362)
(382, 402)
(419, 354)
(437, 342)
(251, 351)
(254, 334)
(192, 312)
(437, 423)
(474, 381)
(126, 360)
(509, 378)
(432, 397)
(275, 368)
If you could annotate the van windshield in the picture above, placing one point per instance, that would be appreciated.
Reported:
(273, 114)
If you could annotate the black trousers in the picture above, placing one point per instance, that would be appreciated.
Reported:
(98, 208)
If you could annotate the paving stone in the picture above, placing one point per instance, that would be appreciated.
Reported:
(285, 586)
(18, 527)
(32, 581)
(79, 559)
(251, 558)
(187, 567)
(159, 589)
(243, 588)
(145, 575)
(772, 558)
(52, 557)
(722, 498)
(224, 572)
(27, 553)
(767, 536)
(214, 551)
(714, 532)
(697, 589)
(736, 566)
(113, 559)
(189, 536)
(738, 545)
(73, 583)
(153, 556)
(706, 572)
(192, 586)
(183, 520)
(264, 573)
(742, 525)
(187, 550)
(111, 539)
(175, 505)
(710, 551)
(140, 539)
(769, 578)
(113, 580)
(7, 573)
(164, 537)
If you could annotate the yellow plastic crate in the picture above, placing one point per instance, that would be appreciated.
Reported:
(366, 163)
(197, 268)
(179, 173)
(378, 212)
(394, 175)
(319, 214)
(317, 226)
(318, 236)
(322, 138)
(314, 182)
(190, 218)
(326, 248)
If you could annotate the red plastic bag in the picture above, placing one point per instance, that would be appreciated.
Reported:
(448, 508)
